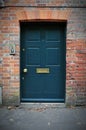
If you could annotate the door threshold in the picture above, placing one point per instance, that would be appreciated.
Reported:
(43, 105)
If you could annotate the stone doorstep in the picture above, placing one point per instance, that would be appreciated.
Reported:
(43, 105)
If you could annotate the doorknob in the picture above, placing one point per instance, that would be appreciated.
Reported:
(25, 70)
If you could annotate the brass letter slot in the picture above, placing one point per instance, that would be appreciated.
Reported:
(42, 70)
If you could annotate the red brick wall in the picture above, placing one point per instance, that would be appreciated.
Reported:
(75, 44)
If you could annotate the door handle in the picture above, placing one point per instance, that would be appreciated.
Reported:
(25, 70)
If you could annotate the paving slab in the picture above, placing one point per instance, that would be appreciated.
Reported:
(42, 117)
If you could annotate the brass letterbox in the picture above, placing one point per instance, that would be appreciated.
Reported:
(42, 70)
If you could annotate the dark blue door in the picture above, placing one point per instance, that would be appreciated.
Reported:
(43, 62)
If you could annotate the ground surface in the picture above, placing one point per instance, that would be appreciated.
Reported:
(42, 117)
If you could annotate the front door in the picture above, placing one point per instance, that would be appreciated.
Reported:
(42, 62)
